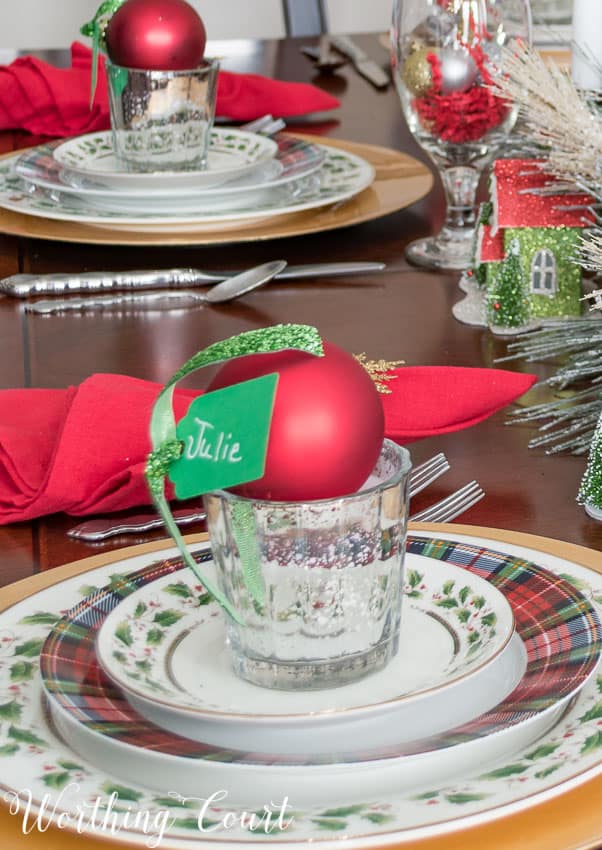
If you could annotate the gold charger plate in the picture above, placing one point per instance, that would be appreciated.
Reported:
(400, 181)
(571, 821)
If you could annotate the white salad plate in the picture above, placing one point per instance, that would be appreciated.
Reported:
(232, 154)
(341, 176)
(559, 628)
(458, 658)
(65, 784)
(294, 159)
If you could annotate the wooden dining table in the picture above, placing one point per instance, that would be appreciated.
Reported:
(402, 313)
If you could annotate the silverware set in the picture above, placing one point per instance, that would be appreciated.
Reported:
(97, 530)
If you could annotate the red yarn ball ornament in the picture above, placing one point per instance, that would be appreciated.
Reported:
(327, 425)
(157, 35)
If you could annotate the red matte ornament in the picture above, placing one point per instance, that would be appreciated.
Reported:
(158, 35)
(327, 426)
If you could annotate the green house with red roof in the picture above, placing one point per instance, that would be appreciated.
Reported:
(527, 241)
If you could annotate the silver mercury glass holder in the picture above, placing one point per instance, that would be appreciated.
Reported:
(162, 120)
(330, 573)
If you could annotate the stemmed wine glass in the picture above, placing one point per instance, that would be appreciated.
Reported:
(446, 55)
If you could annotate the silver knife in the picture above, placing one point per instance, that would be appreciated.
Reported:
(25, 285)
(365, 66)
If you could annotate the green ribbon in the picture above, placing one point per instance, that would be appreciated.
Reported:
(167, 448)
(96, 29)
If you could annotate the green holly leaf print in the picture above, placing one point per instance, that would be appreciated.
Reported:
(86, 589)
(174, 803)
(139, 610)
(466, 797)
(464, 594)
(179, 589)
(542, 751)
(413, 578)
(21, 671)
(594, 713)
(124, 633)
(503, 772)
(205, 599)
(9, 749)
(122, 792)
(192, 823)
(489, 619)
(599, 684)
(377, 817)
(343, 811)
(70, 765)
(448, 602)
(594, 742)
(478, 602)
(331, 825)
(41, 618)
(154, 637)
(56, 779)
(448, 587)
(541, 774)
(167, 617)
(31, 648)
(426, 795)
(25, 736)
(463, 615)
(11, 711)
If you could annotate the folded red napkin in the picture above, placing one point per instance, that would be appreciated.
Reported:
(83, 450)
(49, 101)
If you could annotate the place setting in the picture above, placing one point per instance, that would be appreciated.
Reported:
(310, 660)
(164, 167)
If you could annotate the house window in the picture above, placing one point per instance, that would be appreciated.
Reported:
(544, 280)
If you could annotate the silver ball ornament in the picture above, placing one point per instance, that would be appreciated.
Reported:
(458, 70)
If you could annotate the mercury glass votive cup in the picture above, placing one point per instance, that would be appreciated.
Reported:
(162, 120)
(317, 585)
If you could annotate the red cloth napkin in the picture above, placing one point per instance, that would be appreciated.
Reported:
(49, 101)
(83, 450)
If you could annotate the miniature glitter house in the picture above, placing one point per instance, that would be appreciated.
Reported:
(526, 246)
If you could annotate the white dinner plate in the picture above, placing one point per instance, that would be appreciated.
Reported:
(456, 660)
(232, 154)
(341, 176)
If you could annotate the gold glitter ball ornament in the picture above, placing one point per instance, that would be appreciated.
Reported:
(417, 73)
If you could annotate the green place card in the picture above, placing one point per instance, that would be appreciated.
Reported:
(225, 438)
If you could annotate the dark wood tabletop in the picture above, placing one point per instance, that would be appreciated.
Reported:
(403, 313)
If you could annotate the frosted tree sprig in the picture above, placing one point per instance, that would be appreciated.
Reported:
(556, 116)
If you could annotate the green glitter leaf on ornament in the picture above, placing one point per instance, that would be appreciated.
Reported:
(96, 30)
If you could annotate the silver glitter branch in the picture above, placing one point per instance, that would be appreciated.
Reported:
(555, 116)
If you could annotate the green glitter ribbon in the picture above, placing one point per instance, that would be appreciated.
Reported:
(167, 448)
(96, 29)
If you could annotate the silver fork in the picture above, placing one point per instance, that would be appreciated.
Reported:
(425, 473)
(452, 506)
(95, 530)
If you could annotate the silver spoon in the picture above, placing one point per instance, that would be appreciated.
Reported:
(227, 290)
